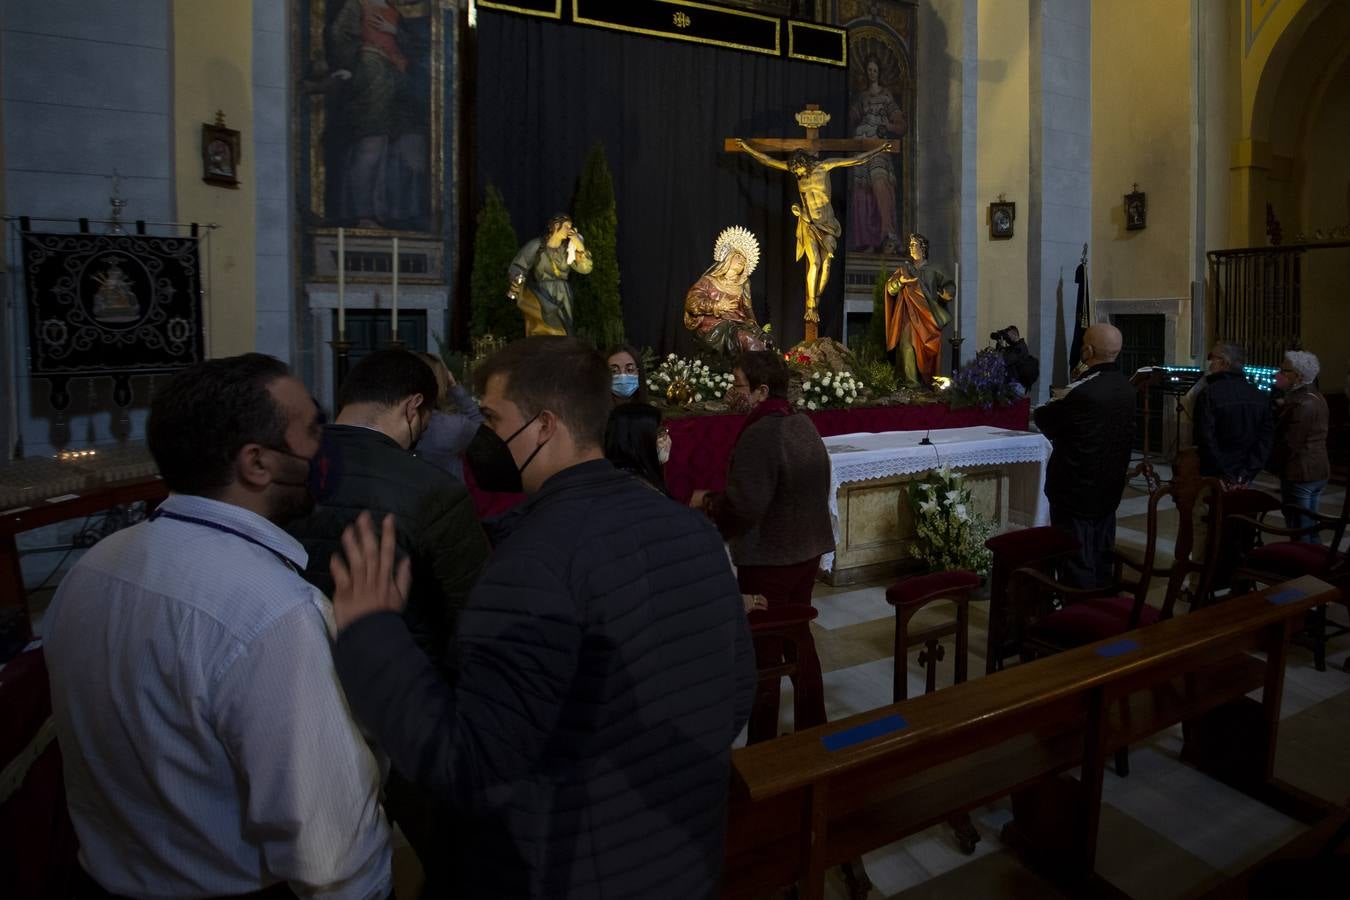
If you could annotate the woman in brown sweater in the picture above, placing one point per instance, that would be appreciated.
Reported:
(1300, 455)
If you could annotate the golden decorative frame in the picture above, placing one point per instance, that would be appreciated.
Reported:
(507, 7)
(777, 27)
(793, 25)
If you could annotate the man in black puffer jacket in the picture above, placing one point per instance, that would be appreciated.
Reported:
(384, 406)
(605, 663)
(1091, 425)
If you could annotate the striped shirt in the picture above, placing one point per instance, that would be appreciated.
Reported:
(207, 743)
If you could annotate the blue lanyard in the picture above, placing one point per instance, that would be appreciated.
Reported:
(207, 523)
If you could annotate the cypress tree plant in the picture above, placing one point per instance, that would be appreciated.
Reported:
(494, 246)
(875, 342)
(598, 309)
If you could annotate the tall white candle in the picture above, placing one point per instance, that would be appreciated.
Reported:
(393, 333)
(342, 284)
(956, 300)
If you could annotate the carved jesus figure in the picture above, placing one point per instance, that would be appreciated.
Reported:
(817, 228)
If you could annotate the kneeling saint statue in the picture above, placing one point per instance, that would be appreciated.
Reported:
(717, 308)
(539, 273)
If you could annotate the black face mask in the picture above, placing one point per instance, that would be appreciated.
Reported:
(323, 469)
(494, 469)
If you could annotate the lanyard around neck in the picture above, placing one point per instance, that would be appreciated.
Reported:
(207, 523)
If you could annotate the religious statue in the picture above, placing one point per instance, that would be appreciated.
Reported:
(817, 228)
(916, 312)
(717, 308)
(539, 277)
(114, 301)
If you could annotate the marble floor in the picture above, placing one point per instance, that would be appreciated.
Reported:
(1167, 831)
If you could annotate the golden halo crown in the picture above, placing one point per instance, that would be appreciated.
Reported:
(742, 241)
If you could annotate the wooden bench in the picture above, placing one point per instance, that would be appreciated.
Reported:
(820, 797)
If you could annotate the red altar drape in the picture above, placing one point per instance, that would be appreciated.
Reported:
(701, 445)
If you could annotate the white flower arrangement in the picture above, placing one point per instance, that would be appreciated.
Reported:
(821, 390)
(698, 376)
(948, 534)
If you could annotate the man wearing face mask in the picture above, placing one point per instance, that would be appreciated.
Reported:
(384, 406)
(206, 743)
(605, 663)
(1090, 424)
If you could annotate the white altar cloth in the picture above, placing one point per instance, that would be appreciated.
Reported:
(867, 456)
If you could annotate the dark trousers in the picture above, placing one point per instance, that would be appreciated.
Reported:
(1092, 567)
(783, 586)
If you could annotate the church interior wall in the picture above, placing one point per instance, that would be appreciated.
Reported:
(213, 70)
(87, 89)
(275, 331)
(1003, 160)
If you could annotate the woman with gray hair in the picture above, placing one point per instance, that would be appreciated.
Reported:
(1300, 456)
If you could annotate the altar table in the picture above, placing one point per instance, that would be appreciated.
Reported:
(870, 473)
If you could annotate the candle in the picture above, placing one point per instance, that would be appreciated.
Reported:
(393, 323)
(342, 284)
(956, 300)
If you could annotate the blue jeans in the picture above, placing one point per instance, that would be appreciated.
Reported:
(1304, 494)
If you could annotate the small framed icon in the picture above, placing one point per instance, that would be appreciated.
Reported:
(1002, 214)
(220, 154)
(1136, 210)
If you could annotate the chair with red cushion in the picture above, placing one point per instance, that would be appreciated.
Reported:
(1237, 537)
(910, 596)
(1038, 548)
(1086, 615)
(1271, 563)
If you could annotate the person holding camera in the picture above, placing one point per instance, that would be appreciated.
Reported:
(1023, 368)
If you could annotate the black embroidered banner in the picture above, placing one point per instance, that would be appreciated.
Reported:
(112, 304)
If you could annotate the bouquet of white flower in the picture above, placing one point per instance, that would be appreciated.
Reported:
(682, 381)
(949, 533)
(821, 390)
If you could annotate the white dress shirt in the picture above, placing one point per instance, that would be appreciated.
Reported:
(207, 743)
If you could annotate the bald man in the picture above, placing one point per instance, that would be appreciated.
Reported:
(1091, 426)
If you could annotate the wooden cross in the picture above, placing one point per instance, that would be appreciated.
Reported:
(815, 214)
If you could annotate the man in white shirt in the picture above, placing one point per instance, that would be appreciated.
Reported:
(207, 744)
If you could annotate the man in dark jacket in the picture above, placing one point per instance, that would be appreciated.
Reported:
(1234, 425)
(384, 406)
(605, 662)
(1091, 426)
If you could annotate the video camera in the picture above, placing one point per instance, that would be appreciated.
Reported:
(1024, 368)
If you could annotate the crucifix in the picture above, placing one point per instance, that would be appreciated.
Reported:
(817, 228)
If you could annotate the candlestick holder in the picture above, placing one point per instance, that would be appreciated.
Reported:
(956, 343)
(341, 354)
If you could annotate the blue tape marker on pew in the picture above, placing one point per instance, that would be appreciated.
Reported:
(1118, 648)
(1288, 595)
(865, 732)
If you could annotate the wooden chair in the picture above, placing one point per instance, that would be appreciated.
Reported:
(910, 596)
(1085, 615)
(1270, 563)
(784, 648)
(1038, 548)
(1237, 537)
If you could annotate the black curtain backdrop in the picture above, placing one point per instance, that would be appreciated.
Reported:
(547, 92)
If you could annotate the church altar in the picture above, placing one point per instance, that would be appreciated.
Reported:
(701, 445)
(869, 476)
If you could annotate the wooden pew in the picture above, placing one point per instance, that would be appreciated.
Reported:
(820, 797)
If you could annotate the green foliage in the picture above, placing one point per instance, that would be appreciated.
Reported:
(494, 246)
(879, 376)
(598, 309)
(949, 534)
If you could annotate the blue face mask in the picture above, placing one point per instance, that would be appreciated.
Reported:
(625, 385)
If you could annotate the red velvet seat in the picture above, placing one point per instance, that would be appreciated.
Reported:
(936, 585)
(1292, 558)
(1087, 621)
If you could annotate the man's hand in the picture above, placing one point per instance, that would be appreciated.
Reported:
(696, 500)
(367, 581)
